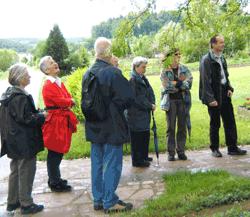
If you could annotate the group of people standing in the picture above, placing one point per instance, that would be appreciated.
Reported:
(129, 106)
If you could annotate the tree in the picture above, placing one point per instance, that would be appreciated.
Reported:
(7, 58)
(56, 47)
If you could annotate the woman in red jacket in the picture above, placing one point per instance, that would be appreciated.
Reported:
(59, 125)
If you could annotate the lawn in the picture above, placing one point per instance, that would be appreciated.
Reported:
(189, 194)
(199, 116)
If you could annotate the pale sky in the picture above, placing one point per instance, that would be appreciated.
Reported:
(35, 18)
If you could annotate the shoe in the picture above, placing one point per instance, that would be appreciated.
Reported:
(150, 159)
(182, 156)
(33, 208)
(216, 153)
(171, 158)
(98, 207)
(120, 206)
(60, 187)
(12, 207)
(141, 164)
(64, 181)
(237, 151)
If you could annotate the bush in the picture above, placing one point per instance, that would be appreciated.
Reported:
(74, 86)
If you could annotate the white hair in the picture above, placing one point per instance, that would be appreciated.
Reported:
(16, 73)
(102, 47)
(43, 63)
(137, 61)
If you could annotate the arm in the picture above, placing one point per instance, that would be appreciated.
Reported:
(187, 83)
(53, 97)
(121, 92)
(206, 80)
(21, 112)
(167, 82)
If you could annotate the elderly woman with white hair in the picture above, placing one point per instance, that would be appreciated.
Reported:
(59, 125)
(139, 115)
(21, 139)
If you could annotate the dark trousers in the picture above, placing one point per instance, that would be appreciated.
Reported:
(139, 145)
(53, 166)
(225, 111)
(176, 114)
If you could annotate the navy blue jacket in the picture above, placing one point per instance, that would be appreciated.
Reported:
(119, 96)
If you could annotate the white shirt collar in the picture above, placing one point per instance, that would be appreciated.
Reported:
(56, 80)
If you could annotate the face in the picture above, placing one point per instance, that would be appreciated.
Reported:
(25, 80)
(141, 69)
(52, 68)
(219, 45)
(177, 57)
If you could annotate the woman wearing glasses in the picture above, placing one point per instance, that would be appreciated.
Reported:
(176, 101)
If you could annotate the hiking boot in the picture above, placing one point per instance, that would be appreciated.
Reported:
(237, 151)
(120, 206)
(98, 207)
(141, 164)
(171, 158)
(33, 208)
(182, 156)
(12, 207)
(60, 187)
(216, 153)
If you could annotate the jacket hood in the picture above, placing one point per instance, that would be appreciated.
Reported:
(11, 92)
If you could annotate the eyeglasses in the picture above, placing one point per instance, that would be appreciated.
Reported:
(177, 54)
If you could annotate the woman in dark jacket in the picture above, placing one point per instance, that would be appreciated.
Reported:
(21, 139)
(139, 114)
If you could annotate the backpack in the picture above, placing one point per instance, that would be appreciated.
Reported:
(92, 103)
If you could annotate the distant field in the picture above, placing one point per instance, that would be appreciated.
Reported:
(239, 77)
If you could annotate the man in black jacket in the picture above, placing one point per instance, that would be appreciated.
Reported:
(107, 136)
(216, 92)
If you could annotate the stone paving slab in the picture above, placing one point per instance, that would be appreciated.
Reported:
(137, 184)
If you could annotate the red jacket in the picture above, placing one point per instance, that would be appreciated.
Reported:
(60, 122)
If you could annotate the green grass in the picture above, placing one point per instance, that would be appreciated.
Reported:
(199, 116)
(187, 194)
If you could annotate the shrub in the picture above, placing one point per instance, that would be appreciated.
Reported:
(74, 86)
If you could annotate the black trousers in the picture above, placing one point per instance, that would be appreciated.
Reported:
(53, 166)
(226, 112)
(139, 145)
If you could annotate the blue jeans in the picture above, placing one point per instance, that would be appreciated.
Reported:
(106, 169)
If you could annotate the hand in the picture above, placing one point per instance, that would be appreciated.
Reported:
(229, 93)
(45, 114)
(73, 102)
(213, 104)
(182, 77)
(153, 107)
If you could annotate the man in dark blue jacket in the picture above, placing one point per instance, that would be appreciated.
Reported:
(216, 92)
(107, 136)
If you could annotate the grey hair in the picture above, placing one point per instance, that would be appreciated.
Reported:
(137, 61)
(16, 73)
(43, 63)
(102, 47)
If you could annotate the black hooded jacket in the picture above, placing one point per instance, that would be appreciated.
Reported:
(20, 125)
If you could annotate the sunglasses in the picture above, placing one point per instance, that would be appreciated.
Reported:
(177, 54)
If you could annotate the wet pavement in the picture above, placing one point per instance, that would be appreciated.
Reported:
(136, 185)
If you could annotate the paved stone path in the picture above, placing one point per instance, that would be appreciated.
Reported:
(136, 186)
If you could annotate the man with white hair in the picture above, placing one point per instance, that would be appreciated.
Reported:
(107, 136)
